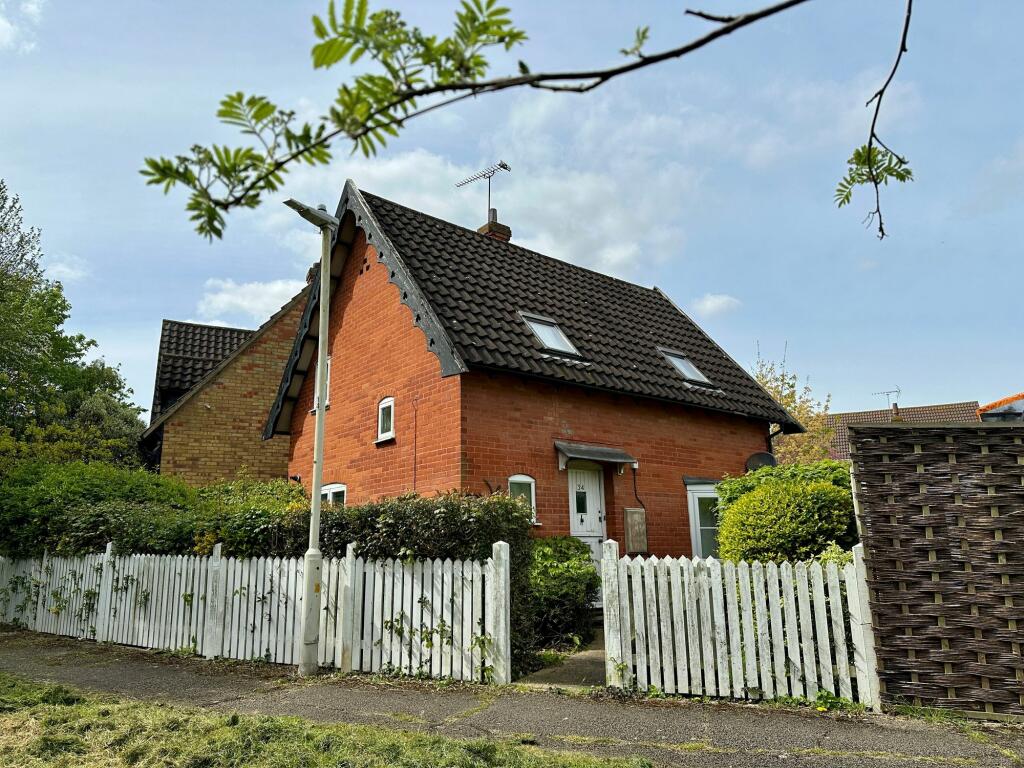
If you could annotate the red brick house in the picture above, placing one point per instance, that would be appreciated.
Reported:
(459, 360)
(210, 398)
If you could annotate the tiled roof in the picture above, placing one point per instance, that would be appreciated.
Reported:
(919, 414)
(478, 286)
(189, 351)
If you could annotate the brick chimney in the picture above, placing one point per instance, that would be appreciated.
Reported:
(493, 228)
(896, 415)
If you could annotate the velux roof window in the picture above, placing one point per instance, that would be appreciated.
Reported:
(550, 334)
(687, 369)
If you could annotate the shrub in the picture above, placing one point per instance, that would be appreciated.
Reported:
(786, 520)
(252, 518)
(833, 553)
(564, 585)
(835, 472)
(76, 508)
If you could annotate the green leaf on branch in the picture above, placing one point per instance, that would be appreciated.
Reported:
(875, 166)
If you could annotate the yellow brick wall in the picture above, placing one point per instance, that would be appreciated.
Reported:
(218, 430)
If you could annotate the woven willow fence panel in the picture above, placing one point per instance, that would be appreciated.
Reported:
(942, 515)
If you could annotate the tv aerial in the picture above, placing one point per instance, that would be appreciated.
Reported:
(889, 395)
(486, 173)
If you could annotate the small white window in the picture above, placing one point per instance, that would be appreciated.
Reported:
(386, 419)
(316, 397)
(334, 493)
(550, 334)
(524, 487)
(703, 503)
(683, 364)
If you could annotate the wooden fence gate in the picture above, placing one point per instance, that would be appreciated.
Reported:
(743, 631)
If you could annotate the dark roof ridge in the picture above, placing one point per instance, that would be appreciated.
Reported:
(573, 265)
(210, 325)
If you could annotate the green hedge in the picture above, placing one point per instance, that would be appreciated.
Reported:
(835, 472)
(564, 584)
(786, 520)
(77, 508)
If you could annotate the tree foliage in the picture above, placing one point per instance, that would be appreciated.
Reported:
(54, 404)
(799, 400)
(406, 72)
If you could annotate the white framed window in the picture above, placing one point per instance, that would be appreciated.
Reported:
(549, 334)
(702, 500)
(334, 493)
(685, 367)
(524, 487)
(386, 419)
(316, 396)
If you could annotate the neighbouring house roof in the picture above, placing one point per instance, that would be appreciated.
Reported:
(189, 351)
(1005, 409)
(469, 292)
(214, 348)
(966, 411)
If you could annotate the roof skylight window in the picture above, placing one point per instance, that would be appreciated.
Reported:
(687, 369)
(550, 334)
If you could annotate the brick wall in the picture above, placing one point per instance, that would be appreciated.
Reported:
(218, 430)
(510, 423)
(377, 352)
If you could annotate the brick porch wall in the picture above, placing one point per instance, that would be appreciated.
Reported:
(377, 352)
(218, 430)
(510, 423)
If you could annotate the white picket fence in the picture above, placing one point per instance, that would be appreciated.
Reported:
(429, 618)
(742, 631)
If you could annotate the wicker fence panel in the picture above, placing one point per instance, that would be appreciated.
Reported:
(942, 516)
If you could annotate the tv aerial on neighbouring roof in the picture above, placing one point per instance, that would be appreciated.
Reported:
(486, 173)
(889, 395)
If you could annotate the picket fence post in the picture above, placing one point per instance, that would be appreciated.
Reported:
(612, 620)
(213, 632)
(44, 582)
(863, 633)
(106, 590)
(498, 595)
(346, 605)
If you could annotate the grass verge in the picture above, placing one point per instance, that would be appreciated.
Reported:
(46, 725)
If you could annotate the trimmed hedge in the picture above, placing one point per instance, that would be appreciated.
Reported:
(786, 520)
(835, 472)
(564, 583)
(77, 508)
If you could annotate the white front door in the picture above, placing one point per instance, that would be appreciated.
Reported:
(703, 503)
(586, 507)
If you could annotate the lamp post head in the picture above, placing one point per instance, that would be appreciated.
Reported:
(317, 216)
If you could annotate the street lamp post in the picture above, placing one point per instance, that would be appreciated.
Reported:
(309, 662)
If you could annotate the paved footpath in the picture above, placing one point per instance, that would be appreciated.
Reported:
(674, 733)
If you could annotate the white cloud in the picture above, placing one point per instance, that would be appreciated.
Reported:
(999, 184)
(711, 304)
(67, 268)
(256, 301)
(18, 25)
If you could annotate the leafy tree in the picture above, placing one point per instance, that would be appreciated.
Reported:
(412, 73)
(53, 404)
(785, 387)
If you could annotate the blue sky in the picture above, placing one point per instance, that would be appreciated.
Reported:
(710, 177)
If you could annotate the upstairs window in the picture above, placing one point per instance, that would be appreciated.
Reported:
(334, 493)
(549, 334)
(686, 368)
(386, 419)
(524, 487)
